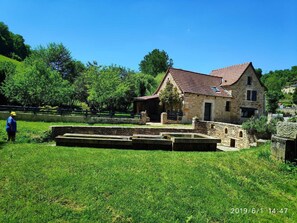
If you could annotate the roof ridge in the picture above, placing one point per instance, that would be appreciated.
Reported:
(192, 72)
(236, 65)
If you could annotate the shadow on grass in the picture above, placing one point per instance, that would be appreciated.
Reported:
(1, 145)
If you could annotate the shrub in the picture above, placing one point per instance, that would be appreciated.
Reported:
(293, 119)
(258, 126)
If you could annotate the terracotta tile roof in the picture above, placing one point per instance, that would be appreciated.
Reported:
(230, 74)
(203, 84)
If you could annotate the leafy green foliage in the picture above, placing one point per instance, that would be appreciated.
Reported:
(12, 45)
(37, 84)
(114, 87)
(259, 126)
(106, 87)
(6, 68)
(155, 62)
(276, 80)
(58, 58)
(170, 96)
(272, 98)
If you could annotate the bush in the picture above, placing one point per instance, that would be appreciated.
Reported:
(293, 119)
(258, 126)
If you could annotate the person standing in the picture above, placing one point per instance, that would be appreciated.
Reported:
(11, 127)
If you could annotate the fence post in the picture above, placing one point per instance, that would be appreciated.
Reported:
(164, 118)
(143, 117)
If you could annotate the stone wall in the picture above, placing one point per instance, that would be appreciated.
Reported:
(284, 143)
(239, 93)
(194, 104)
(125, 131)
(235, 134)
(67, 118)
(230, 134)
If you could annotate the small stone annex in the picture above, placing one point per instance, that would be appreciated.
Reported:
(230, 94)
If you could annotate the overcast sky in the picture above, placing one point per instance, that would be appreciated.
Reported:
(199, 35)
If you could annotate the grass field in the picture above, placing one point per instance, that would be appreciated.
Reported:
(43, 183)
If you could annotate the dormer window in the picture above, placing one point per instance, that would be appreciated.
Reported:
(249, 80)
(215, 89)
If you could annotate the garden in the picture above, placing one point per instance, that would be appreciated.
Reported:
(40, 182)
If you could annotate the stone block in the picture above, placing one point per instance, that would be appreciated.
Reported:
(283, 149)
(287, 129)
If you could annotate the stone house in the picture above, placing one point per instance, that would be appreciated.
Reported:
(230, 94)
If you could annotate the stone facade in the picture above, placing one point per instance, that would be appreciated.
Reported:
(193, 105)
(239, 92)
(231, 94)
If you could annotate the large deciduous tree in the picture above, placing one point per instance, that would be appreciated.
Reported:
(108, 88)
(37, 84)
(155, 62)
(58, 57)
(6, 69)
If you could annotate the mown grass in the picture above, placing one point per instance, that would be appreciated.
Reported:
(43, 183)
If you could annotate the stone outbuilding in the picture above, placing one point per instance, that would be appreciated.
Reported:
(230, 94)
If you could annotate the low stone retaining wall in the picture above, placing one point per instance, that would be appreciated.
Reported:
(125, 131)
(68, 118)
(230, 134)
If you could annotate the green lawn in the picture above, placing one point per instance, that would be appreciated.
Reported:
(43, 183)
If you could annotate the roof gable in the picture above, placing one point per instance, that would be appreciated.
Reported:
(231, 74)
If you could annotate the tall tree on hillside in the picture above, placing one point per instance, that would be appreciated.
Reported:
(155, 62)
(58, 57)
(278, 79)
(12, 45)
(5, 40)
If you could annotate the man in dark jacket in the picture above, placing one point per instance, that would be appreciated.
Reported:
(11, 127)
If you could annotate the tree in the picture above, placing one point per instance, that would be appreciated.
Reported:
(6, 69)
(37, 84)
(170, 96)
(5, 40)
(272, 99)
(258, 72)
(109, 88)
(143, 84)
(58, 57)
(12, 45)
(155, 62)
